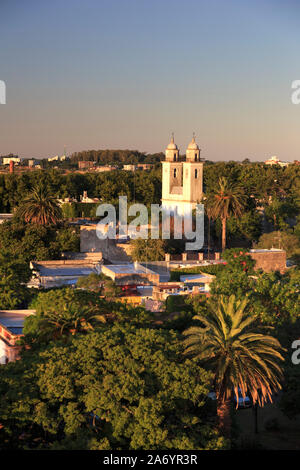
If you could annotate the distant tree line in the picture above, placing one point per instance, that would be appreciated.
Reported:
(270, 195)
(115, 156)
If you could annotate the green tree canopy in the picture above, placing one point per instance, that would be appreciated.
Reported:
(63, 312)
(120, 388)
(148, 250)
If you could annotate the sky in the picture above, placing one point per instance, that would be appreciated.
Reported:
(124, 74)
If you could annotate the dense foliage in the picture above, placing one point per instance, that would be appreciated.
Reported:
(120, 388)
(95, 373)
(30, 242)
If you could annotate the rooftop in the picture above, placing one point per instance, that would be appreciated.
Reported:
(65, 268)
(196, 277)
(13, 320)
(265, 250)
(126, 268)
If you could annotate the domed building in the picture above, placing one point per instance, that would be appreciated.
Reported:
(182, 179)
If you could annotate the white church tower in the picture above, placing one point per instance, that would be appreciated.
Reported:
(182, 179)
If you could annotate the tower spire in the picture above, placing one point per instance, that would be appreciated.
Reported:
(172, 150)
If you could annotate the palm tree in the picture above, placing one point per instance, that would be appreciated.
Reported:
(227, 200)
(71, 320)
(209, 213)
(40, 207)
(240, 358)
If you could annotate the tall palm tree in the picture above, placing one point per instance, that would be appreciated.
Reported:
(241, 358)
(40, 207)
(225, 201)
(209, 213)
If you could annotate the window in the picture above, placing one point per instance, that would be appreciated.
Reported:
(175, 172)
(195, 157)
(196, 174)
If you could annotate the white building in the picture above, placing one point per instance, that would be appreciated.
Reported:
(56, 158)
(182, 179)
(7, 160)
(86, 199)
(275, 161)
(129, 167)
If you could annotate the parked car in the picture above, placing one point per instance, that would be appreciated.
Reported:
(243, 402)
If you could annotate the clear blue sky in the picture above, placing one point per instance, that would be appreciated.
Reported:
(97, 74)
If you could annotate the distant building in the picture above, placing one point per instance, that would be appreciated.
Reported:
(7, 160)
(275, 161)
(57, 158)
(129, 167)
(67, 200)
(53, 159)
(102, 169)
(86, 165)
(144, 166)
(84, 198)
(32, 163)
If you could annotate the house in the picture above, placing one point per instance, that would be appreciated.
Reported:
(201, 281)
(11, 330)
(188, 284)
(66, 272)
(130, 273)
(269, 260)
(5, 217)
(162, 291)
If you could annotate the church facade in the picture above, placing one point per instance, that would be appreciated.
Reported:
(182, 179)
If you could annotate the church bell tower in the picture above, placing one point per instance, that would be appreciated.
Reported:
(182, 180)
